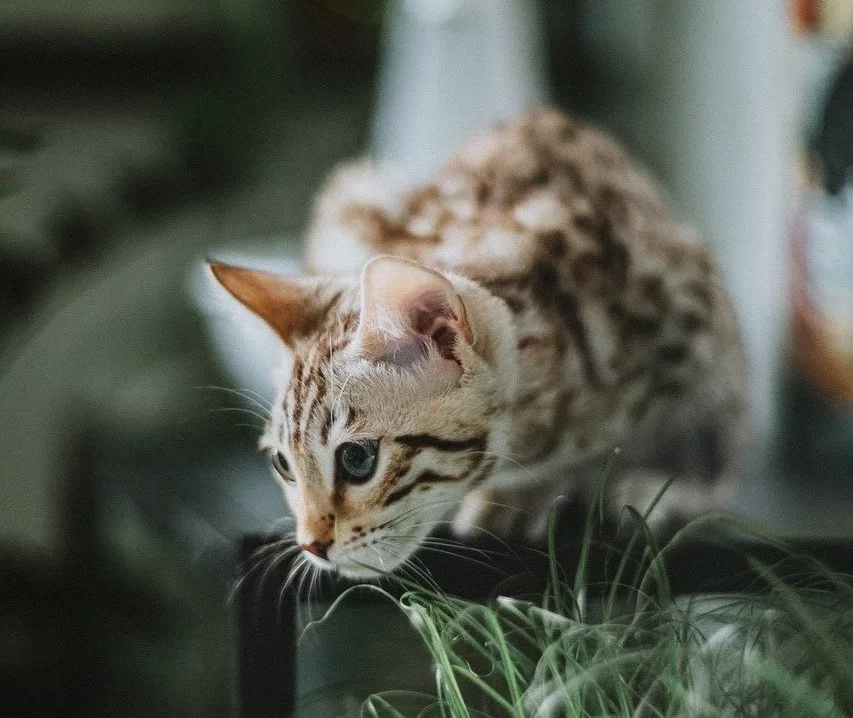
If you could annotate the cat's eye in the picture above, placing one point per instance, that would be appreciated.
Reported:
(356, 462)
(279, 463)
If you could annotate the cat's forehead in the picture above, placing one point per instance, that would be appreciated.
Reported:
(327, 385)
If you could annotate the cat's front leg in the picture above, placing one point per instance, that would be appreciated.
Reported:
(518, 513)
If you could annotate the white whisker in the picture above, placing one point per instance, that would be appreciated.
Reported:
(511, 460)
(240, 409)
(421, 574)
(281, 556)
(260, 402)
(447, 552)
(297, 569)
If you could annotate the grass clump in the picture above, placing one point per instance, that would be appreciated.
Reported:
(629, 647)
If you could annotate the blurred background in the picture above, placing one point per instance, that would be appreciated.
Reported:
(138, 137)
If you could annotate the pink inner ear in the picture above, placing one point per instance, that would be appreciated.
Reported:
(429, 309)
(434, 320)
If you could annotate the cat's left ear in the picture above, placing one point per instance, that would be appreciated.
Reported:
(405, 309)
(292, 306)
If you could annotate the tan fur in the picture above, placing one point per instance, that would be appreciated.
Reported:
(566, 312)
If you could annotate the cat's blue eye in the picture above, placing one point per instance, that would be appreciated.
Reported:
(279, 463)
(357, 461)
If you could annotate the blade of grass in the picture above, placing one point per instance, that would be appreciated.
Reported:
(627, 552)
(579, 589)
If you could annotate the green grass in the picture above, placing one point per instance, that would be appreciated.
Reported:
(631, 648)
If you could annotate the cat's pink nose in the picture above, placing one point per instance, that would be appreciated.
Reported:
(318, 548)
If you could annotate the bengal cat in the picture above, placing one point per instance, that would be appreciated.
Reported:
(467, 349)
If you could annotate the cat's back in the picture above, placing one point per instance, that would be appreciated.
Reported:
(542, 183)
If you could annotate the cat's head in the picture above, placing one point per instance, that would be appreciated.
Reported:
(391, 407)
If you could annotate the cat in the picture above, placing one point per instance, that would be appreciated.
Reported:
(465, 350)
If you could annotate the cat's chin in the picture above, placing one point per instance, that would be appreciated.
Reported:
(364, 572)
(361, 573)
(372, 569)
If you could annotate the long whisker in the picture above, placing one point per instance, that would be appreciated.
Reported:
(331, 368)
(387, 575)
(241, 409)
(269, 555)
(297, 569)
(421, 574)
(419, 508)
(403, 515)
(454, 503)
(447, 552)
(274, 546)
(432, 582)
(312, 576)
(262, 551)
(260, 398)
(417, 567)
(259, 401)
(510, 549)
(448, 502)
(235, 589)
(314, 587)
(271, 567)
(511, 460)
(378, 555)
(306, 574)
(461, 546)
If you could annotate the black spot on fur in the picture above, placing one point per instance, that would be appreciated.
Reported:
(691, 321)
(702, 293)
(586, 268)
(651, 289)
(639, 325)
(614, 258)
(544, 283)
(540, 178)
(585, 223)
(673, 353)
(553, 244)
(514, 303)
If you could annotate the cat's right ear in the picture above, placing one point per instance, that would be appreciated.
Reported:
(407, 308)
(292, 306)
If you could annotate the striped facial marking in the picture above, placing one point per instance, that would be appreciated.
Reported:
(466, 455)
